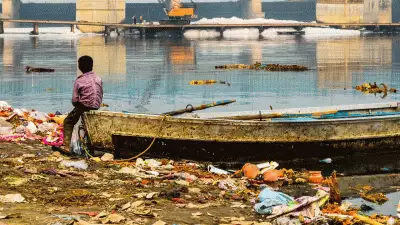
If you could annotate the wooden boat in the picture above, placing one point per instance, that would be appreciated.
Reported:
(285, 135)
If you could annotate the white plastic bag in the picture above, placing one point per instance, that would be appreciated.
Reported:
(76, 145)
(45, 127)
(39, 115)
(32, 128)
(4, 106)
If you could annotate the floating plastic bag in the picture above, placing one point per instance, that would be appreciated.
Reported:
(269, 199)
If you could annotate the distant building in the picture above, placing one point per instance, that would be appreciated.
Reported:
(106, 11)
(354, 11)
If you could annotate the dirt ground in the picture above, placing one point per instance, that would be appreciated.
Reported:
(55, 198)
(55, 194)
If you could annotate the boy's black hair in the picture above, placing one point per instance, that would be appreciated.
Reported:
(85, 64)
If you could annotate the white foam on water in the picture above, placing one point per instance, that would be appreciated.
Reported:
(235, 20)
(270, 33)
(241, 33)
(316, 33)
(44, 32)
(201, 34)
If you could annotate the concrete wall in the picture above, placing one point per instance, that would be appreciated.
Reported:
(11, 10)
(251, 9)
(339, 11)
(378, 11)
(109, 11)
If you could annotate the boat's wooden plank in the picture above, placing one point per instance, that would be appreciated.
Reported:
(354, 107)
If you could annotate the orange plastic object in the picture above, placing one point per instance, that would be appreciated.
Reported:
(181, 12)
(315, 177)
(250, 170)
(272, 175)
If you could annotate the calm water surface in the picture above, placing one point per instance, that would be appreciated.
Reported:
(153, 75)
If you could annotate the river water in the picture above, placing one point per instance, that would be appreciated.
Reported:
(153, 75)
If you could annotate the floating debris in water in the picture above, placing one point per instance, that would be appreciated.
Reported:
(369, 88)
(200, 82)
(267, 67)
(30, 69)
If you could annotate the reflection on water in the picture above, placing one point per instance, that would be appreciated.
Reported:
(153, 75)
(341, 61)
(109, 55)
(181, 57)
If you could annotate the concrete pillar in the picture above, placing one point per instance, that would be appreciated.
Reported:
(142, 31)
(221, 31)
(11, 9)
(251, 9)
(35, 29)
(1, 27)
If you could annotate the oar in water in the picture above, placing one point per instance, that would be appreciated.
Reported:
(190, 108)
(276, 115)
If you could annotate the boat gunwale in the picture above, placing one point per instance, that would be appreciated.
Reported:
(245, 122)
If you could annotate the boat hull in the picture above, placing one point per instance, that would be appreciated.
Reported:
(350, 157)
(213, 151)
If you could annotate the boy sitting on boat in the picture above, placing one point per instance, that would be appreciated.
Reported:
(87, 95)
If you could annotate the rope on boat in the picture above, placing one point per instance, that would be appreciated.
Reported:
(138, 155)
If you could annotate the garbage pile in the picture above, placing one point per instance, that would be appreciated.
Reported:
(103, 190)
(20, 124)
(267, 67)
(369, 88)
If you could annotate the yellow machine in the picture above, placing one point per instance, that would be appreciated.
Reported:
(179, 14)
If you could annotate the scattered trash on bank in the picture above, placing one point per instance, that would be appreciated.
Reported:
(18, 125)
(12, 198)
(267, 67)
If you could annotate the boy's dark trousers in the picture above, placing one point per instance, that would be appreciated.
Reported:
(71, 120)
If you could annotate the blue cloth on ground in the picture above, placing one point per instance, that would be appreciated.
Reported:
(269, 198)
